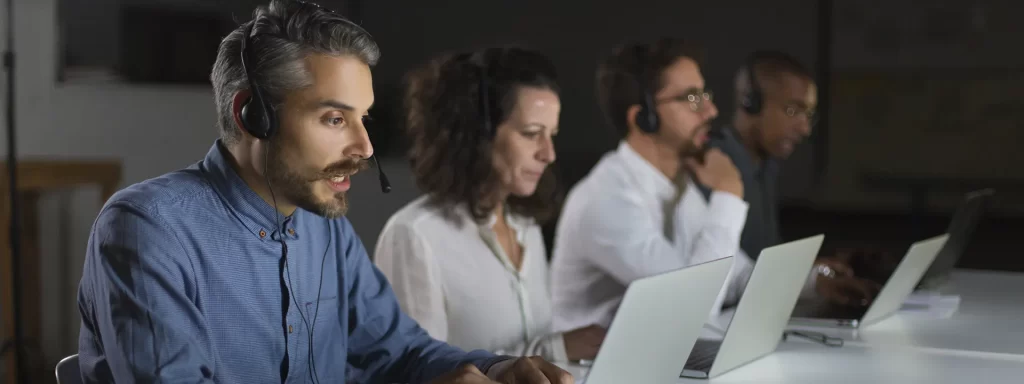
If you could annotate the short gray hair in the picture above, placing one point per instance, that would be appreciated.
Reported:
(286, 32)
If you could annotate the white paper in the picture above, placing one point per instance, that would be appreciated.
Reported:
(931, 304)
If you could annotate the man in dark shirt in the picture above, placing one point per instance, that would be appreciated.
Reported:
(776, 99)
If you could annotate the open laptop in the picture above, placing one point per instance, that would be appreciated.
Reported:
(961, 228)
(659, 319)
(889, 299)
(761, 315)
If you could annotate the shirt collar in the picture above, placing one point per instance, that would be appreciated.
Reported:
(247, 206)
(519, 223)
(648, 177)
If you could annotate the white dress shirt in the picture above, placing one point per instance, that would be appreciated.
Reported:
(613, 230)
(453, 277)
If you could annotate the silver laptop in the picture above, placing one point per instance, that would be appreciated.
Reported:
(659, 320)
(761, 315)
(889, 299)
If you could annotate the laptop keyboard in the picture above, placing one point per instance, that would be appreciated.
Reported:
(703, 355)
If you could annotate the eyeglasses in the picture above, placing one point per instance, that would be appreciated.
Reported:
(809, 114)
(696, 98)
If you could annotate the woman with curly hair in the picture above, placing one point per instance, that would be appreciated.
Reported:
(467, 260)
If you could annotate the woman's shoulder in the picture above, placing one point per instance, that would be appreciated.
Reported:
(423, 216)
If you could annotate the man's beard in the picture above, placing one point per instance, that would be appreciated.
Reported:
(690, 149)
(297, 186)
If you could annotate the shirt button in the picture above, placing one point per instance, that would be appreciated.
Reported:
(291, 231)
(263, 233)
(290, 329)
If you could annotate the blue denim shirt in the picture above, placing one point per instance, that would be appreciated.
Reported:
(184, 282)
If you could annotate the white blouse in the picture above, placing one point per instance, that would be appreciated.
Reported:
(452, 276)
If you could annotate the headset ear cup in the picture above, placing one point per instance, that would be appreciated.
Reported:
(268, 121)
(254, 119)
(646, 117)
(648, 122)
(752, 101)
(751, 104)
(269, 117)
(641, 119)
(755, 103)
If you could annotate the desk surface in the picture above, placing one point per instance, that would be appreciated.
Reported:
(988, 320)
(983, 342)
(803, 362)
(799, 362)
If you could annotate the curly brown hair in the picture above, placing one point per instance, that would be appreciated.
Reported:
(451, 143)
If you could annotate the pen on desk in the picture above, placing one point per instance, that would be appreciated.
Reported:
(815, 336)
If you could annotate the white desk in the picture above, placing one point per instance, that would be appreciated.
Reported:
(983, 342)
(804, 362)
(989, 321)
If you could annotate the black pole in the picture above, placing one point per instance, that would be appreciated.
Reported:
(12, 171)
(824, 67)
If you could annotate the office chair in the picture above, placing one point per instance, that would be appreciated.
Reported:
(68, 371)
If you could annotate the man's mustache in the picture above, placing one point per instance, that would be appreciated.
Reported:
(345, 167)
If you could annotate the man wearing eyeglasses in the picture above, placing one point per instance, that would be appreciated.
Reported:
(775, 101)
(638, 212)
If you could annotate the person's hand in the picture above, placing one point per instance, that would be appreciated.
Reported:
(466, 374)
(871, 263)
(531, 370)
(839, 285)
(717, 172)
(583, 343)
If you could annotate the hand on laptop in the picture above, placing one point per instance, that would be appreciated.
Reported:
(583, 343)
(466, 374)
(838, 284)
(529, 370)
(523, 370)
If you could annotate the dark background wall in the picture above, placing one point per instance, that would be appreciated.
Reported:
(936, 80)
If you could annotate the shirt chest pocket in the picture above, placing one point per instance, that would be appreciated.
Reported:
(325, 323)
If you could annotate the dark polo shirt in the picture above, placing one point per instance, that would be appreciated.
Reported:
(760, 191)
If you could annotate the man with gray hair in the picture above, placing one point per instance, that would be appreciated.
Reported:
(242, 268)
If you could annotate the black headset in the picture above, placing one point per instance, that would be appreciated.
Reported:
(485, 101)
(258, 116)
(483, 87)
(753, 100)
(647, 117)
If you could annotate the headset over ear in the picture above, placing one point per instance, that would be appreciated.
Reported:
(485, 99)
(483, 87)
(647, 117)
(753, 100)
(258, 116)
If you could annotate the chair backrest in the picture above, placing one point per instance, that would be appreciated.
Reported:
(68, 371)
